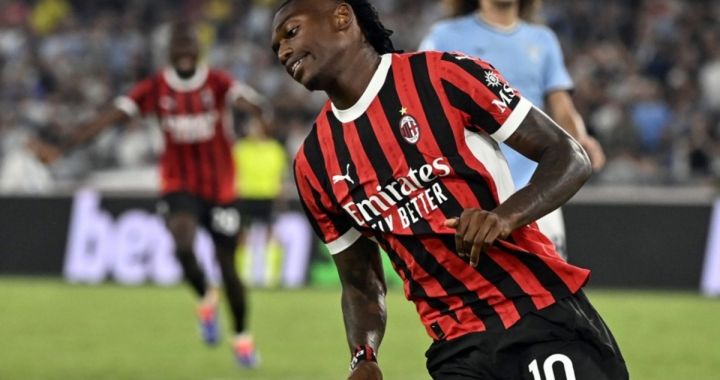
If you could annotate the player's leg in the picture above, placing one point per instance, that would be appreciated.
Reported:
(257, 217)
(181, 212)
(224, 226)
(553, 226)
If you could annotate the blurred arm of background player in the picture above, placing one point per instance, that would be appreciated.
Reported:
(248, 101)
(363, 301)
(562, 110)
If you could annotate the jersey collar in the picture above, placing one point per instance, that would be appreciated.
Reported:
(378, 79)
(184, 85)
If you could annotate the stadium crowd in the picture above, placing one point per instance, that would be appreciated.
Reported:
(646, 72)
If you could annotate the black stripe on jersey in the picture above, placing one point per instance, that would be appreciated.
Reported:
(464, 102)
(415, 289)
(499, 277)
(442, 132)
(372, 148)
(195, 147)
(180, 157)
(547, 277)
(477, 71)
(212, 164)
(318, 203)
(390, 102)
(314, 157)
(159, 92)
(452, 285)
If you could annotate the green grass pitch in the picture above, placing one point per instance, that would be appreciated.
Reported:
(52, 330)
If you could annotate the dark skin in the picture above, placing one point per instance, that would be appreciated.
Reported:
(341, 63)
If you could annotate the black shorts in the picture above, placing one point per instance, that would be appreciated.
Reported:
(255, 210)
(565, 341)
(221, 220)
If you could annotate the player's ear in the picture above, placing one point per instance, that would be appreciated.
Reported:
(343, 16)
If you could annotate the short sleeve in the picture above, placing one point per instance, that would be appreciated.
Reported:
(331, 225)
(555, 74)
(140, 99)
(487, 101)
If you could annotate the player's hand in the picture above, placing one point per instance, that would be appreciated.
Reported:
(594, 151)
(476, 230)
(366, 370)
(45, 152)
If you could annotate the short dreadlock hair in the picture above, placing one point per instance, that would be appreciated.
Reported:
(377, 35)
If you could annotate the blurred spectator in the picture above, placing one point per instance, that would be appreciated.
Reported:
(647, 73)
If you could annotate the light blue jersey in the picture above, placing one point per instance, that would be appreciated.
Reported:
(528, 56)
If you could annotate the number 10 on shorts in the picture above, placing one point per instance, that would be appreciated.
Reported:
(548, 368)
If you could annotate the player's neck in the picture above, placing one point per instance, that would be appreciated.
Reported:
(502, 17)
(355, 77)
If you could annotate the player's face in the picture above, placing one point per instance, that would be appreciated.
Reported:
(184, 53)
(305, 42)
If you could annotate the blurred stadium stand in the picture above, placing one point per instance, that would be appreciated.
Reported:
(647, 77)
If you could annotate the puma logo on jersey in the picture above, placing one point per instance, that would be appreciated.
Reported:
(346, 177)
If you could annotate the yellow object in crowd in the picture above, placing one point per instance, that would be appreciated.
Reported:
(47, 14)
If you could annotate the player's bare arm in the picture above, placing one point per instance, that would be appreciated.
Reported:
(50, 152)
(363, 302)
(87, 132)
(256, 106)
(562, 169)
(562, 109)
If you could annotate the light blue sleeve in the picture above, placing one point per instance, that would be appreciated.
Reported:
(430, 42)
(555, 74)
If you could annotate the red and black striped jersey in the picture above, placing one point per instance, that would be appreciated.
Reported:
(420, 146)
(196, 123)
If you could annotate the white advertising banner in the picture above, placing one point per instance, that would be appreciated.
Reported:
(135, 248)
(710, 281)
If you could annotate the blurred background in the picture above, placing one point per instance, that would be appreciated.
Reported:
(647, 83)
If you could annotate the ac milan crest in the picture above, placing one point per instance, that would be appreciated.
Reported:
(409, 129)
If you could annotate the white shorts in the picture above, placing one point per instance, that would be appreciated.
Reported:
(553, 226)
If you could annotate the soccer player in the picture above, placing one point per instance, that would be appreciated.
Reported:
(404, 156)
(530, 58)
(193, 103)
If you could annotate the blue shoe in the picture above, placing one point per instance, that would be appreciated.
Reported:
(245, 354)
(208, 320)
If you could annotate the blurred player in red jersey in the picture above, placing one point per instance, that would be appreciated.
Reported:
(193, 104)
(405, 156)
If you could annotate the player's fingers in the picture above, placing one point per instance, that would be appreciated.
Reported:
(460, 231)
(452, 222)
(484, 224)
(475, 252)
(476, 221)
(490, 238)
